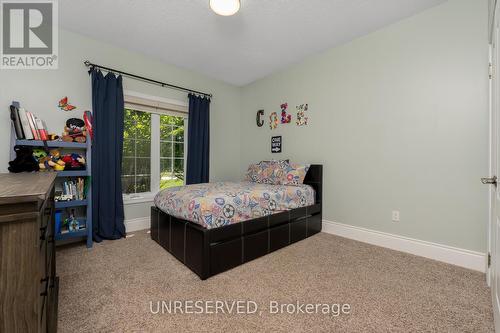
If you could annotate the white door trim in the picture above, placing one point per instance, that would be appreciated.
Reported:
(491, 170)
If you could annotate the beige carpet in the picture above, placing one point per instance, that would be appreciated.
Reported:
(110, 287)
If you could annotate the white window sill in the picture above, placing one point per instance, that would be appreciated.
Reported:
(138, 198)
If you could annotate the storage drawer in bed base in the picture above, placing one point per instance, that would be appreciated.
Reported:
(211, 251)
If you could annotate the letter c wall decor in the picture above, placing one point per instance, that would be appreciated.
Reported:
(260, 122)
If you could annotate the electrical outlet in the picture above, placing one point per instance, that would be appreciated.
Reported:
(395, 216)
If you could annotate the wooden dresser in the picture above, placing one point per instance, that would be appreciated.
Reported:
(28, 282)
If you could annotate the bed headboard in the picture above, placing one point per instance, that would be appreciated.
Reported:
(314, 178)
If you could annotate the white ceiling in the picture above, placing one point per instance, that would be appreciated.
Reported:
(265, 36)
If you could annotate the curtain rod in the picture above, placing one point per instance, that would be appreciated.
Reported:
(141, 78)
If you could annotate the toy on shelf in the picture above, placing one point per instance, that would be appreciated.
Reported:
(63, 197)
(58, 220)
(74, 162)
(74, 131)
(88, 119)
(64, 105)
(24, 161)
(39, 153)
(52, 161)
(72, 223)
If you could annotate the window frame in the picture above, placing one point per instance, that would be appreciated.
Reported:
(156, 106)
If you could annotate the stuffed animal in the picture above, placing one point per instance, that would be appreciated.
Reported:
(71, 222)
(74, 162)
(74, 131)
(24, 160)
(39, 153)
(51, 161)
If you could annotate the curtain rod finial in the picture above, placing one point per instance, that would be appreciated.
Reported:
(87, 63)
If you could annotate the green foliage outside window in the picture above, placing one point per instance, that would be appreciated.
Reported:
(136, 161)
(171, 151)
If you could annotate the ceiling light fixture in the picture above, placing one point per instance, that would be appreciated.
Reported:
(225, 7)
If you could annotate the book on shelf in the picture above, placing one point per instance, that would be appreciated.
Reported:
(31, 120)
(42, 132)
(16, 122)
(74, 188)
(23, 117)
(26, 125)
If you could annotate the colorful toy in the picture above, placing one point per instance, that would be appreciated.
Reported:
(88, 119)
(285, 117)
(39, 153)
(74, 131)
(301, 117)
(53, 137)
(72, 223)
(57, 218)
(273, 120)
(74, 162)
(24, 161)
(51, 161)
(65, 106)
(63, 197)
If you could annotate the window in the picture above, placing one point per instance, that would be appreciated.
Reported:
(171, 151)
(153, 147)
(136, 161)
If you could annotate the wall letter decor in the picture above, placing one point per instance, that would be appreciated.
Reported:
(301, 116)
(273, 120)
(285, 117)
(260, 122)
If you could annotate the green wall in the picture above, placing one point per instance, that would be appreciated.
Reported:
(399, 118)
(40, 90)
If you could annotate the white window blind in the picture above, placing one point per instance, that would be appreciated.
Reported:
(153, 106)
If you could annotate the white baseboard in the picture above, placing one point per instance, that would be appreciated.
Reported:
(451, 255)
(140, 223)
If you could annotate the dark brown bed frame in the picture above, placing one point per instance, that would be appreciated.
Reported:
(208, 252)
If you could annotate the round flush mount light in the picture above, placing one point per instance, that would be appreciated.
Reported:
(225, 7)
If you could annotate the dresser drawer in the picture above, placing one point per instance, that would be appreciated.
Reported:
(28, 268)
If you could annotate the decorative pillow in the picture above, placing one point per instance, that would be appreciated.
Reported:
(294, 174)
(267, 172)
(253, 171)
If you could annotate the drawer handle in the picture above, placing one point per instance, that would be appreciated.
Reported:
(46, 280)
(43, 231)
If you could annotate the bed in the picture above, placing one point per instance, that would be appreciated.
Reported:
(214, 227)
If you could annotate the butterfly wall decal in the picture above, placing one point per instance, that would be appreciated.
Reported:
(63, 105)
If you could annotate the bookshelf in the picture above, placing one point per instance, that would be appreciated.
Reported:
(84, 149)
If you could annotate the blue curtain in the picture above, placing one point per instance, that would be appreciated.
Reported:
(198, 157)
(107, 144)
